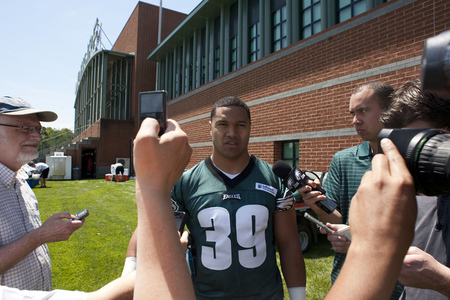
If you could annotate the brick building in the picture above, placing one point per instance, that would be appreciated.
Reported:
(295, 63)
(107, 92)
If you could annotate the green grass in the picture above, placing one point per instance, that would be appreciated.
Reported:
(94, 254)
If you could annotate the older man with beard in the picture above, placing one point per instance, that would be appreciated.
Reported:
(24, 256)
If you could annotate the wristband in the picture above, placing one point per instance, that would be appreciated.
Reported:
(297, 293)
(130, 265)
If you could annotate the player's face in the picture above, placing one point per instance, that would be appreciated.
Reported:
(230, 131)
(16, 147)
(366, 113)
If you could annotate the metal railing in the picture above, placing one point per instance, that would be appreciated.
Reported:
(54, 144)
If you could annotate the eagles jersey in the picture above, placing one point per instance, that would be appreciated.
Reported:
(231, 222)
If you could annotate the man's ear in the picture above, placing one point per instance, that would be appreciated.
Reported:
(210, 128)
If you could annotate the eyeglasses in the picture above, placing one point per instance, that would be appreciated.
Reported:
(27, 129)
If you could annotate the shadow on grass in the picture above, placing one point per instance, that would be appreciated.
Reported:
(321, 249)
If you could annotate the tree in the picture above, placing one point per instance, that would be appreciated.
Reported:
(54, 139)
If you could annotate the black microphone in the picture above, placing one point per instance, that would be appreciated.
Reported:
(293, 179)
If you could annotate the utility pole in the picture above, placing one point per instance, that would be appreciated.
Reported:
(160, 22)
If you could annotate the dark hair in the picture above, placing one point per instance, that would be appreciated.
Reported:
(410, 103)
(230, 101)
(382, 91)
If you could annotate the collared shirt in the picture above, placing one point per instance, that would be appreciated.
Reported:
(19, 215)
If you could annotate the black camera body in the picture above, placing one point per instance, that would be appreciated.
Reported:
(154, 105)
(427, 156)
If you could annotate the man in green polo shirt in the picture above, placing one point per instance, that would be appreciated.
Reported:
(348, 166)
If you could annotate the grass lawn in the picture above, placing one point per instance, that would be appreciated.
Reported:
(94, 254)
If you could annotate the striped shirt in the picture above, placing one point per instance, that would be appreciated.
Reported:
(344, 177)
(19, 215)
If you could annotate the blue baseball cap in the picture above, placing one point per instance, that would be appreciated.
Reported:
(14, 106)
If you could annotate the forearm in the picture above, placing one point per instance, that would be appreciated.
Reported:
(440, 280)
(159, 253)
(293, 267)
(17, 250)
(291, 256)
(119, 289)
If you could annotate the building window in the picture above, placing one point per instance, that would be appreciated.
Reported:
(253, 31)
(289, 153)
(203, 56)
(279, 32)
(216, 71)
(190, 76)
(350, 8)
(233, 37)
(311, 18)
(178, 73)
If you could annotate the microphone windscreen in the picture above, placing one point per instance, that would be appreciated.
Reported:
(281, 169)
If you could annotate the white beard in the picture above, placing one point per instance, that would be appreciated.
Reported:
(24, 158)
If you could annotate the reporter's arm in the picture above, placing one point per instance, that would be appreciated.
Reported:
(118, 289)
(382, 217)
(159, 162)
(54, 229)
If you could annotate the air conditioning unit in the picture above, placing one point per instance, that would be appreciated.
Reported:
(124, 161)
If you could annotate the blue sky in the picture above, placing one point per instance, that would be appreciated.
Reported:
(43, 43)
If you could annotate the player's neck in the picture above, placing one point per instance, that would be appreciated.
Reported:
(231, 165)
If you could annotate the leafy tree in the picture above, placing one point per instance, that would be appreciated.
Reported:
(54, 139)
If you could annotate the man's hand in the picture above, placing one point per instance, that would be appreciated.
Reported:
(340, 243)
(55, 229)
(418, 267)
(161, 159)
(423, 271)
(309, 196)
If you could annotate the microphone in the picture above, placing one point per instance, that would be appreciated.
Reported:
(293, 179)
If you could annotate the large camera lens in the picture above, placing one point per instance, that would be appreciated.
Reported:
(435, 70)
(427, 156)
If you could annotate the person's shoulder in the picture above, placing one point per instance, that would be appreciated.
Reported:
(198, 168)
(260, 162)
(351, 151)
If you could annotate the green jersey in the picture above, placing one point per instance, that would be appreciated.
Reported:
(231, 222)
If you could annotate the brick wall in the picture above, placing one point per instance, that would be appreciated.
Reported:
(302, 92)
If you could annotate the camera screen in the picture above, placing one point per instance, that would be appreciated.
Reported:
(151, 102)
